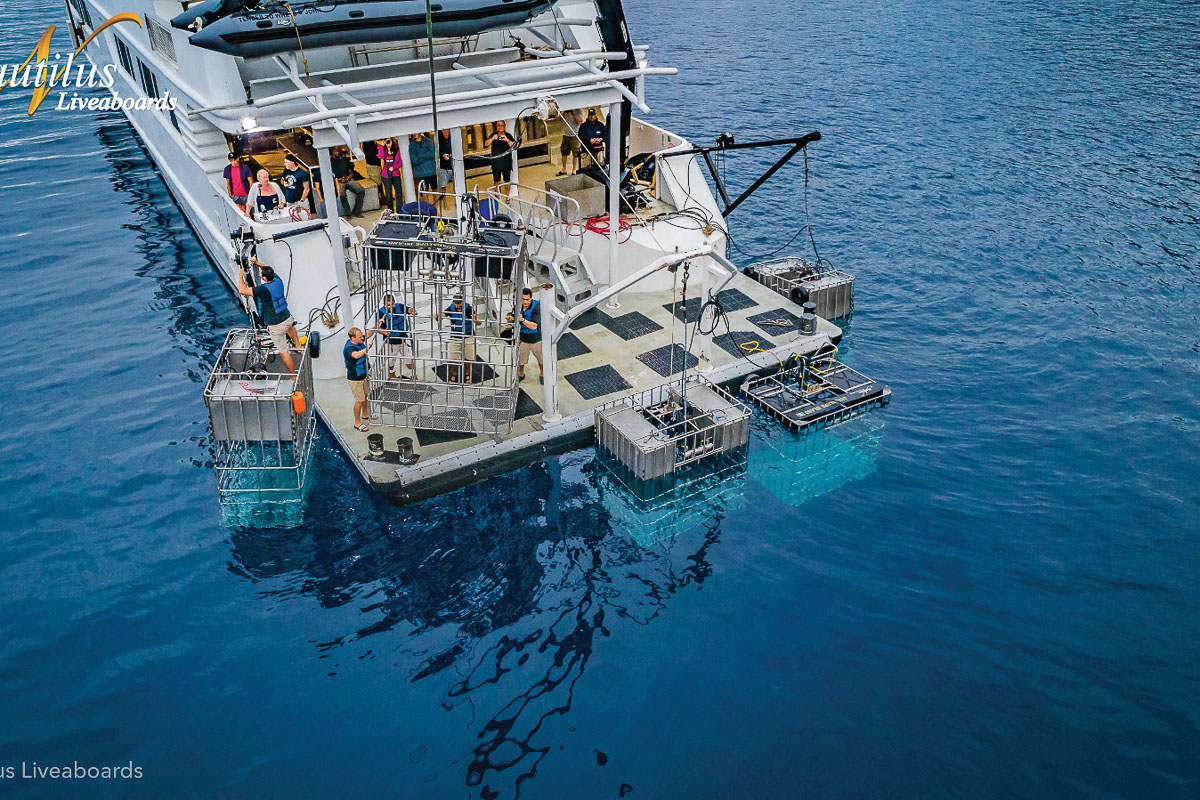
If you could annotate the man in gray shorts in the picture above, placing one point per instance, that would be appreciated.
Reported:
(270, 298)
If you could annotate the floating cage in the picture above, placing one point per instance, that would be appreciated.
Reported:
(434, 376)
(656, 433)
(261, 419)
(818, 392)
(796, 469)
(804, 281)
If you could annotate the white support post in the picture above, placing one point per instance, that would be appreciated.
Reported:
(706, 293)
(406, 173)
(614, 196)
(549, 359)
(333, 214)
(460, 170)
(516, 134)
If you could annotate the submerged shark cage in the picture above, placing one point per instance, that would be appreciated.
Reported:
(262, 420)
(653, 435)
(804, 281)
(426, 371)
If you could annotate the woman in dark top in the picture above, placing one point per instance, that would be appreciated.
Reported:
(502, 145)
(265, 195)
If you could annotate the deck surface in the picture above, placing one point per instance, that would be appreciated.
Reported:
(608, 352)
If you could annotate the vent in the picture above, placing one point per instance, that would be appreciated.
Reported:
(160, 40)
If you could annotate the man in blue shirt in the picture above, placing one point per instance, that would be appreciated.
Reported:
(462, 337)
(530, 337)
(270, 300)
(354, 353)
(394, 324)
(295, 182)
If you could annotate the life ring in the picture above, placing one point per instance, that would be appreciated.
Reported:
(299, 214)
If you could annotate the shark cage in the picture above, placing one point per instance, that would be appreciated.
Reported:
(442, 300)
(262, 420)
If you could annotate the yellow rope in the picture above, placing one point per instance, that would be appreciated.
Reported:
(303, 55)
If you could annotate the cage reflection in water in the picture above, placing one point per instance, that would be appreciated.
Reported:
(796, 469)
(654, 510)
(443, 300)
(262, 421)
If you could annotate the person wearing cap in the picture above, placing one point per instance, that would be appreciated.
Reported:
(393, 322)
(594, 134)
(462, 336)
(237, 179)
(530, 336)
(295, 181)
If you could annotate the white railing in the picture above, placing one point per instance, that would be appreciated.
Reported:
(532, 208)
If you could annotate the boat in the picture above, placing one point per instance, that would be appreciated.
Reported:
(238, 28)
(624, 262)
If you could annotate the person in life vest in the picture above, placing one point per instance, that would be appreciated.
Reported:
(462, 336)
(355, 355)
(394, 324)
(270, 301)
(530, 337)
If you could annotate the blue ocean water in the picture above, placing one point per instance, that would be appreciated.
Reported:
(986, 590)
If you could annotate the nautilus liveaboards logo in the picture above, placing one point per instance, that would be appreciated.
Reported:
(43, 72)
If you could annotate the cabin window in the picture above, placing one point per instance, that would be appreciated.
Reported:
(148, 81)
(160, 40)
(124, 57)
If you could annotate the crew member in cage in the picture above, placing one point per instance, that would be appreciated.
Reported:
(270, 298)
(463, 320)
(530, 335)
(393, 321)
(357, 366)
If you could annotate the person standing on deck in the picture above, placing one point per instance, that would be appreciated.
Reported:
(424, 166)
(343, 178)
(594, 134)
(530, 336)
(462, 337)
(295, 181)
(502, 147)
(445, 175)
(569, 149)
(357, 367)
(265, 195)
(270, 299)
(237, 179)
(393, 321)
(391, 166)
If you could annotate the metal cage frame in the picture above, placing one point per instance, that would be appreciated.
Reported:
(463, 384)
(261, 445)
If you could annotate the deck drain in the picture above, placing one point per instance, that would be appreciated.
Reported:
(777, 322)
(732, 342)
(632, 325)
(662, 359)
(731, 300)
(570, 346)
(597, 382)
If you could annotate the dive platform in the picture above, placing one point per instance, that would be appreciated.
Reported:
(607, 354)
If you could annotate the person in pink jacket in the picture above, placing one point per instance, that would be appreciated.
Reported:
(390, 163)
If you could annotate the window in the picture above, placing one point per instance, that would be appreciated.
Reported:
(148, 81)
(160, 40)
(124, 57)
(81, 9)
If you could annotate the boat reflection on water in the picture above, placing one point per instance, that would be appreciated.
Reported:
(500, 591)
(796, 469)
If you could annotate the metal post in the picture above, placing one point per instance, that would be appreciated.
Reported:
(706, 293)
(513, 132)
(460, 171)
(549, 357)
(333, 214)
(406, 173)
(614, 195)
